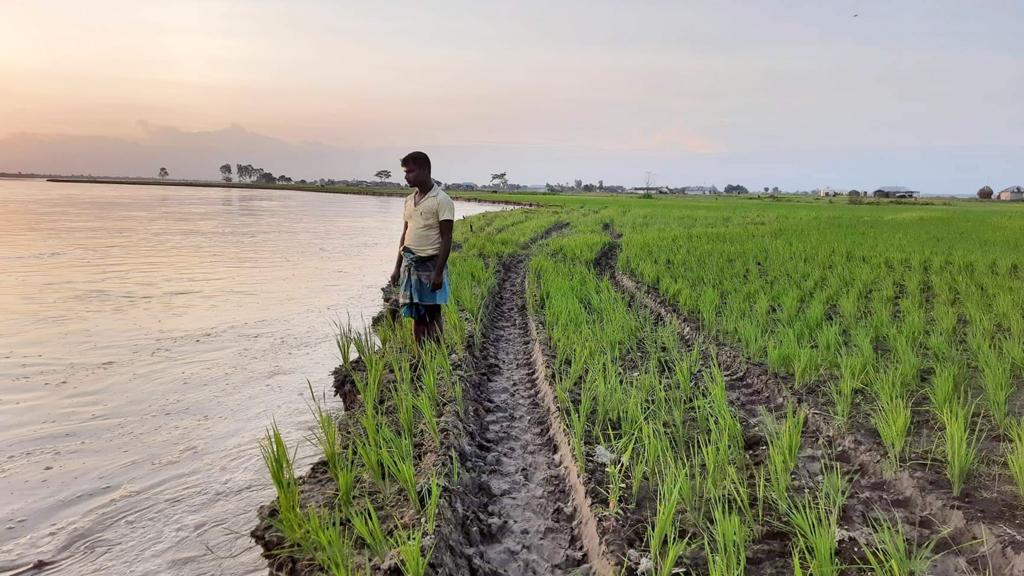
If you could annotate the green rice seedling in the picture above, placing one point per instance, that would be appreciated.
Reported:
(945, 390)
(329, 542)
(405, 408)
(1015, 455)
(411, 559)
(674, 548)
(369, 447)
(892, 412)
(397, 456)
(433, 500)
(455, 468)
(279, 462)
(783, 446)
(751, 337)
(369, 529)
(761, 492)
(830, 340)
(961, 444)
(344, 338)
(428, 412)
(664, 525)
(339, 462)
(783, 352)
(725, 543)
(428, 378)
(997, 385)
(891, 417)
(683, 369)
(578, 418)
(852, 369)
(639, 471)
(691, 485)
(616, 470)
(365, 345)
(718, 416)
(891, 554)
(806, 366)
(814, 520)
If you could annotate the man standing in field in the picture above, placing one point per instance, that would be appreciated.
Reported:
(421, 270)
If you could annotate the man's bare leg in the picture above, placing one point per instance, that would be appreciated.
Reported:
(435, 322)
(420, 329)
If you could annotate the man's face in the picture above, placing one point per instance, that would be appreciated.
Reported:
(415, 176)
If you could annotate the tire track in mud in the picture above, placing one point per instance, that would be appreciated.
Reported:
(972, 541)
(512, 511)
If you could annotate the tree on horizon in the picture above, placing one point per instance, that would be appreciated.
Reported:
(163, 173)
(501, 178)
(383, 175)
(225, 172)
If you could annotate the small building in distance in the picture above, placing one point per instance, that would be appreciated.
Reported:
(829, 192)
(1012, 193)
(700, 190)
(895, 192)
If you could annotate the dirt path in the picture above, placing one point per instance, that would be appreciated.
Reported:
(511, 512)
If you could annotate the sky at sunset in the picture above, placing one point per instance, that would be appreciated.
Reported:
(796, 94)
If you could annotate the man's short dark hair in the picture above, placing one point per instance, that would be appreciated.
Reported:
(417, 159)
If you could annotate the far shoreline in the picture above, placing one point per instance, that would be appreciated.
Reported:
(470, 196)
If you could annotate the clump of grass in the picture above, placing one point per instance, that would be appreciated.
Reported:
(330, 542)
(279, 463)
(852, 369)
(1015, 455)
(433, 500)
(996, 385)
(411, 559)
(814, 520)
(945, 390)
(339, 463)
(961, 445)
(725, 545)
(344, 338)
(369, 529)
(783, 447)
(890, 553)
(661, 534)
(369, 447)
(428, 412)
(892, 413)
(397, 456)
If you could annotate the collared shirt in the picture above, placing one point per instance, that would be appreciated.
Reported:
(423, 235)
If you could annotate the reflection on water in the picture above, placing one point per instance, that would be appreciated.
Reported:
(147, 336)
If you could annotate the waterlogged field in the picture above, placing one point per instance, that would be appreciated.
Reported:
(743, 385)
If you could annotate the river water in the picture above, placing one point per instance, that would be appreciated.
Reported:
(147, 337)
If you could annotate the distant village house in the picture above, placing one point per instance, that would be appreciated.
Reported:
(1012, 193)
(895, 192)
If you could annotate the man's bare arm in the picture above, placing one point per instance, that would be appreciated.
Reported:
(398, 261)
(442, 256)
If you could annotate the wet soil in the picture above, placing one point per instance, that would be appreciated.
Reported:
(970, 535)
(512, 510)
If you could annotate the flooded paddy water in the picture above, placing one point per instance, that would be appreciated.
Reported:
(147, 336)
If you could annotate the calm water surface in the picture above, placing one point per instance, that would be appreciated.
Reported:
(147, 337)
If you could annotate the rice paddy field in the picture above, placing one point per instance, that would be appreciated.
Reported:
(673, 385)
